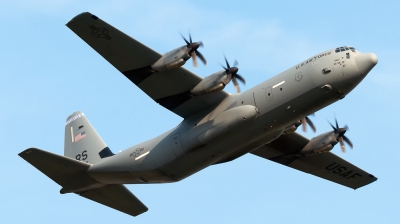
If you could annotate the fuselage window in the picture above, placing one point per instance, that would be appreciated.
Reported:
(347, 55)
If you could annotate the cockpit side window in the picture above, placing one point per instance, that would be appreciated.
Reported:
(342, 49)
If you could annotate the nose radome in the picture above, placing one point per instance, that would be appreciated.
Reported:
(365, 62)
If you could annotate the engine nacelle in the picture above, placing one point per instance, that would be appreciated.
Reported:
(173, 59)
(322, 143)
(213, 83)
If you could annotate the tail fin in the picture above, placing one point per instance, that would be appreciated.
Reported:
(82, 142)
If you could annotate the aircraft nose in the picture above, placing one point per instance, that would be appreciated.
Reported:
(365, 62)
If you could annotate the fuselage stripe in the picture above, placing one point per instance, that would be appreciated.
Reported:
(278, 84)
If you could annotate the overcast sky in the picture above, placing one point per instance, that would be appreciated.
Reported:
(48, 73)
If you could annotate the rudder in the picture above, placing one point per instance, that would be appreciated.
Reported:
(82, 142)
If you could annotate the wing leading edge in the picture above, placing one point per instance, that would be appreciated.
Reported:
(325, 165)
(170, 88)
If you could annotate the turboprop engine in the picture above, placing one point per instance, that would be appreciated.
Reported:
(325, 142)
(218, 81)
(178, 57)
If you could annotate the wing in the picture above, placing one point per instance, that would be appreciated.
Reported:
(171, 88)
(325, 165)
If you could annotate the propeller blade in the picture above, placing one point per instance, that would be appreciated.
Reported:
(201, 44)
(240, 78)
(190, 38)
(236, 84)
(347, 140)
(194, 56)
(202, 58)
(342, 145)
(304, 124)
(187, 42)
(337, 125)
(227, 63)
(309, 122)
(236, 63)
(333, 127)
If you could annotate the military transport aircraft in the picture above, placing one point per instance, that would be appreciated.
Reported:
(217, 127)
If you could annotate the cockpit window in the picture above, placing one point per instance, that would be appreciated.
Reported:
(345, 48)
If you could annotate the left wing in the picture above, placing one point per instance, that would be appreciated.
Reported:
(325, 165)
(171, 88)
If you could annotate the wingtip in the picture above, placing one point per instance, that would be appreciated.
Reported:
(26, 151)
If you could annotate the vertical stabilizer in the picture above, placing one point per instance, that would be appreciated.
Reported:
(82, 142)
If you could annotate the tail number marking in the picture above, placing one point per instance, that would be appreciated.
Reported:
(82, 156)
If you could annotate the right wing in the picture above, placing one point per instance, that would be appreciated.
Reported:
(325, 165)
(171, 88)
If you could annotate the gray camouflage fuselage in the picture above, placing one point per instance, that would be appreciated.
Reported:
(240, 124)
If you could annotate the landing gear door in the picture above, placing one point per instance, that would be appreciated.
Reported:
(176, 144)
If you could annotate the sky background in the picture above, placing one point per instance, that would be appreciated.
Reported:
(47, 73)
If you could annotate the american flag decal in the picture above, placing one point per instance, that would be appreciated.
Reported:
(80, 136)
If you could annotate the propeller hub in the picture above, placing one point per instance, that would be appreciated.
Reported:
(341, 131)
(233, 70)
(194, 46)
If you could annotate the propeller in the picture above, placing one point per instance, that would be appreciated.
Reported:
(232, 72)
(192, 50)
(340, 135)
(304, 121)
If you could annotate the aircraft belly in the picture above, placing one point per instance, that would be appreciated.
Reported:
(212, 152)
(131, 177)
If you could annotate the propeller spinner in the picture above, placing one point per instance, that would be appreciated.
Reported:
(340, 135)
(192, 50)
(232, 72)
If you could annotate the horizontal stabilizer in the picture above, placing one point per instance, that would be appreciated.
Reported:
(60, 169)
(72, 176)
(117, 197)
